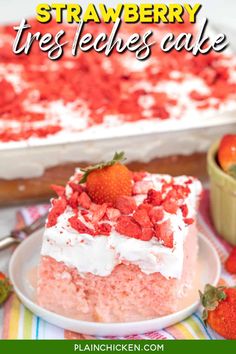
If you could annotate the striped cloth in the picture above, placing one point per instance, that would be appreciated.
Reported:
(17, 322)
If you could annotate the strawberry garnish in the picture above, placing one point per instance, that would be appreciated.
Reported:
(112, 214)
(227, 154)
(154, 197)
(98, 212)
(126, 225)
(105, 182)
(84, 201)
(220, 309)
(5, 287)
(156, 214)
(147, 234)
(230, 264)
(126, 205)
(164, 234)
(79, 226)
(142, 218)
(58, 208)
(59, 190)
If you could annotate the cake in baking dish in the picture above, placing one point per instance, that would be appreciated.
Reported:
(119, 246)
(91, 95)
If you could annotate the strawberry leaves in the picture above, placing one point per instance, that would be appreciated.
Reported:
(118, 157)
(210, 299)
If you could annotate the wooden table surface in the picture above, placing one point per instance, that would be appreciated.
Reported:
(20, 191)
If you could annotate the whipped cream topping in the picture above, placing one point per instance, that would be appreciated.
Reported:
(100, 254)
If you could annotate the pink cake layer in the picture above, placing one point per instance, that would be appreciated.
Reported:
(127, 294)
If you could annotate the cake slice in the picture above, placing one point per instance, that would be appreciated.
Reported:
(119, 246)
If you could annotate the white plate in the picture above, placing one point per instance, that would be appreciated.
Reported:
(27, 255)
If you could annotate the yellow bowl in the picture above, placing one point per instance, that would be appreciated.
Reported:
(222, 197)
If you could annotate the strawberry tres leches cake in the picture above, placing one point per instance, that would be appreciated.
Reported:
(119, 245)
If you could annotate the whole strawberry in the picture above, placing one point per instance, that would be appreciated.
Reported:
(227, 154)
(107, 181)
(5, 287)
(220, 310)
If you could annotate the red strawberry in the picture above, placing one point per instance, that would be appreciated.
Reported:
(107, 181)
(145, 206)
(189, 221)
(76, 187)
(142, 218)
(181, 191)
(170, 205)
(164, 234)
(59, 190)
(227, 154)
(184, 210)
(8, 93)
(79, 226)
(103, 229)
(58, 208)
(98, 211)
(84, 201)
(220, 310)
(147, 234)
(5, 287)
(125, 204)
(156, 214)
(126, 225)
(112, 214)
(230, 264)
(154, 197)
(73, 200)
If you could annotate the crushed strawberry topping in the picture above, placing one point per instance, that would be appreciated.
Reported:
(29, 94)
(142, 216)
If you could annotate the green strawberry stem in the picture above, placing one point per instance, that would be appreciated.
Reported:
(118, 157)
(210, 299)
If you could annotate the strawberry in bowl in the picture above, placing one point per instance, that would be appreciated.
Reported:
(221, 164)
(227, 154)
